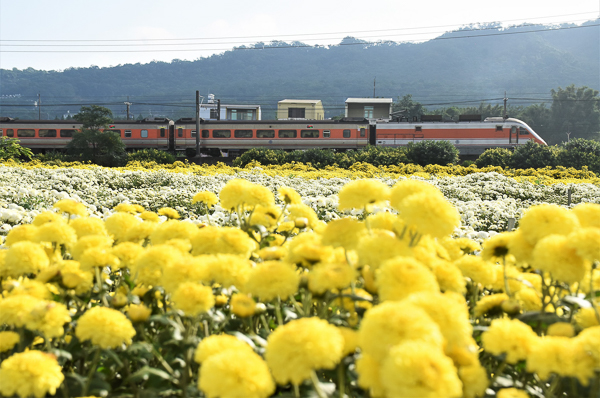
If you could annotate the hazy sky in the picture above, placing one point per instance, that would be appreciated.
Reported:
(54, 35)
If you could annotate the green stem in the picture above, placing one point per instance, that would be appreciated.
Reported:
(297, 306)
(263, 320)
(315, 381)
(278, 311)
(341, 379)
(296, 391)
(505, 277)
(88, 381)
(593, 293)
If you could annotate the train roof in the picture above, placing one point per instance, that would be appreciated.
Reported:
(294, 121)
(66, 122)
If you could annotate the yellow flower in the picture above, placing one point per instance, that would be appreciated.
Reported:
(457, 248)
(394, 322)
(242, 305)
(478, 270)
(118, 224)
(127, 253)
(138, 312)
(48, 317)
(172, 229)
(266, 216)
(306, 250)
(587, 340)
(24, 232)
(529, 299)
(382, 220)
(46, 217)
(350, 340)
(187, 269)
(400, 277)
(345, 232)
(238, 192)
(512, 393)
(585, 318)
(448, 276)
(560, 355)
(426, 372)
(71, 207)
(297, 348)
(125, 208)
(474, 379)
(271, 279)
(520, 247)
(236, 373)
(406, 188)
(554, 254)
(105, 327)
(193, 298)
(30, 373)
(379, 246)
(359, 194)
(430, 214)
(206, 197)
(496, 247)
(229, 270)
(511, 337)
(329, 276)
(225, 240)
(98, 257)
(88, 242)
(139, 232)
(289, 196)
(303, 212)
(15, 309)
(149, 216)
(546, 219)
(588, 214)
(586, 242)
(215, 344)
(369, 375)
(348, 303)
(73, 277)
(88, 226)
(563, 329)
(148, 267)
(489, 303)
(32, 288)
(24, 258)
(168, 212)
(8, 340)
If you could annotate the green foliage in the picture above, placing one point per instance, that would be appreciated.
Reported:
(151, 155)
(52, 156)
(94, 117)
(11, 149)
(575, 110)
(264, 156)
(578, 153)
(432, 152)
(407, 107)
(534, 155)
(495, 157)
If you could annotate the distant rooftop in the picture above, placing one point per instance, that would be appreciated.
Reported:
(300, 101)
(369, 100)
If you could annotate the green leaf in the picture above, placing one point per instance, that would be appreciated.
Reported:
(146, 372)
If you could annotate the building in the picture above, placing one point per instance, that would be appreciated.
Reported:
(369, 108)
(212, 108)
(300, 109)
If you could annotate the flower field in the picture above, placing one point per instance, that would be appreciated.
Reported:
(190, 281)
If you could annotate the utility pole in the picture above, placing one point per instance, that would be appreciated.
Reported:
(39, 104)
(197, 123)
(128, 104)
(374, 80)
(505, 116)
(218, 109)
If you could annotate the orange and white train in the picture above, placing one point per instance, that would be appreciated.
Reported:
(470, 137)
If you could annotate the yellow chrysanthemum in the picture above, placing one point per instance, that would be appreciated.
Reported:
(400, 277)
(554, 254)
(350, 340)
(459, 247)
(329, 276)
(148, 267)
(586, 317)
(289, 196)
(406, 188)
(547, 219)
(489, 303)
(98, 257)
(88, 242)
(48, 317)
(138, 312)
(172, 229)
(520, 247)
(105, 327)
(215, 344)
(266, 216)
(297, 348)
(24, 258)
(563, 329)
(512, 393)
(24, 232)
(73, 277)
(302, 212)
(272, 279)
(8, 340)
(448, 276)
(149, 216)
(426, 372)
(139, 232)
(394, 322)
(588, 214)
(242, 305)
(71, 207)
(193, 298)
(30, 373)
(430, 214)
(127, 253)
(187, 269)
(46, 217)
(478, 270)
(369, 375)
(511, 337)
(28, 287)
(345, 232)
(15, 309)
(496, 247)
(474, 379)
(588, 341)
(529, 299)
(359, 194)
(306, 250)
(168, 212)
(560, 355)
(225, 240)
(125, 208)
(586, 242)
(379, 246)
(240, 192)
(206, 197)
(88, 226)
(118, 224)
(236, 373)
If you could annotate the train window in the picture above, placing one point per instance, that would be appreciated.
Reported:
(522, 131)
(288, 133)
(362, 132)
(326, 133)
(418, 128)
(309, 133)
(265, 133)
(25, 133)
(205, 133)
(46, 133)
(1, 132)
(162, 132)
(127, 133)
(498, 128)
(144, 133)
(193, 133)
(242, 133)
(221, 133)
(10, 132)
(67, 133)
(346, 133)
(179, 132)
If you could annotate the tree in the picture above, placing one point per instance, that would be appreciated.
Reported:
(92, 143)
(11, 149)
(574, 110)
(409, 107)
(432, 152)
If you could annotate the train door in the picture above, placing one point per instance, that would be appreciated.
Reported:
(514, 135)
(373, 134)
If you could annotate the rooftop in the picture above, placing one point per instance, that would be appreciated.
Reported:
(369, 100)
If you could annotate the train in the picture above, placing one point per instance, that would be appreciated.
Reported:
(470, 134)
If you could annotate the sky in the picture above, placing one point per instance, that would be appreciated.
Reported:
(61, 34)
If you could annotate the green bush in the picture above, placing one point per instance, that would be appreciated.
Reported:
(578, 153)
(534, 155)
(151, 155)
(264, 156)
(11, 149)
(52, 156)
(431, 152)
(319, 158)
(501, 157)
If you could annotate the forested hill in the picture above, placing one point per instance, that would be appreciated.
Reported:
(501, 60)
